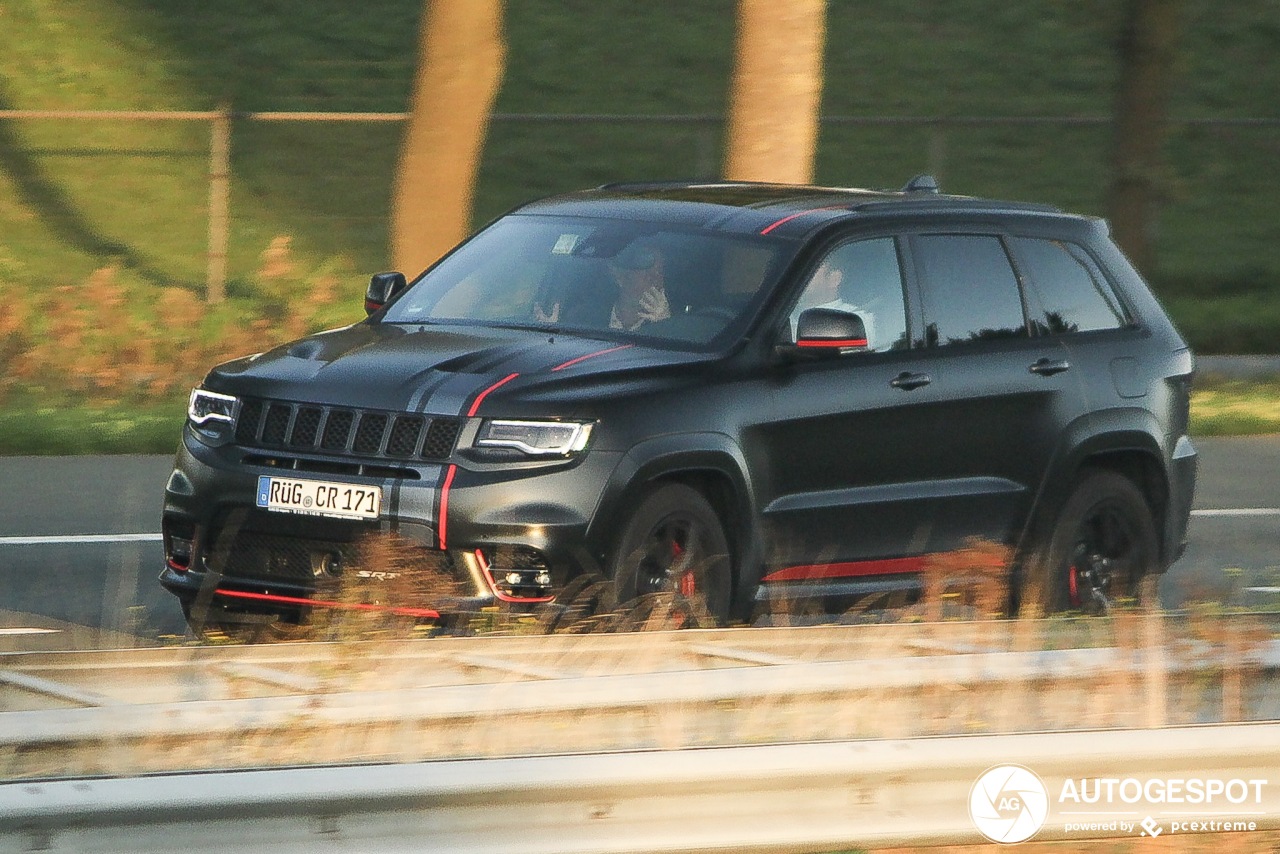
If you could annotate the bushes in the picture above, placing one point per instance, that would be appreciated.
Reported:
(116, 340)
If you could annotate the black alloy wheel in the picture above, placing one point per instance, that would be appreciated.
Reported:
(674, 544)
(1103, 546)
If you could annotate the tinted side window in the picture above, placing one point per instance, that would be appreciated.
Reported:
(862, 277)
(1071, 294)
(970, 290)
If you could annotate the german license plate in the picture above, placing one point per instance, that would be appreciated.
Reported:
(319, 498)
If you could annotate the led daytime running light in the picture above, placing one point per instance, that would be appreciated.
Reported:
(205, 406)
(536, 438)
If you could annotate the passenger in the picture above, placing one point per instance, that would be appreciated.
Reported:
(828, 288)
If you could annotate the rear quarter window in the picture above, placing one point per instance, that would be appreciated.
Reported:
(1068, 292)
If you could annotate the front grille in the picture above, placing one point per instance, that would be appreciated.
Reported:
(404, 436)
(340, 431)
(369, 434)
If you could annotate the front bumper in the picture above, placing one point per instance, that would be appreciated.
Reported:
(453, 537)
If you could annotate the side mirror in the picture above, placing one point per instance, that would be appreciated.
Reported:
(382, 288)
(828, 331)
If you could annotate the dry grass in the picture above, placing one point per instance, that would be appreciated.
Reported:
(104, 343)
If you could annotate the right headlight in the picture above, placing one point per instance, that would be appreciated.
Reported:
(208, 408)
(536, 438)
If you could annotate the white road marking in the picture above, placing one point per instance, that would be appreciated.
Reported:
(26, 630)
(1249, 511)
(76, 539)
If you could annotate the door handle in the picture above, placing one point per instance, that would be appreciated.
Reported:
(1048, 367)
(908, 381)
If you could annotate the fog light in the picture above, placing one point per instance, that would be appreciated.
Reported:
(179, 553)
(543, 579)
(513, 578)
(326, 563)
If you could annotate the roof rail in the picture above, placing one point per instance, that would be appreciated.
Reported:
(927, 202)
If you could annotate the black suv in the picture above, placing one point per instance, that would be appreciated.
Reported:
(728, 391)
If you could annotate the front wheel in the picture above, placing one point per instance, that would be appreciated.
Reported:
(674, 544)
(1103, 545)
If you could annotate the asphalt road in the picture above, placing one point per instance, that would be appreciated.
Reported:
(80, 550)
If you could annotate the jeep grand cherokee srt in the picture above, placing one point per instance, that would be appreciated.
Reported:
(733, 391)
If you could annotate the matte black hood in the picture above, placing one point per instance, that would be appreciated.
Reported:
(435, 368)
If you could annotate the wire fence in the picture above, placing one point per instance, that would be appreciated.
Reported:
(221, 187)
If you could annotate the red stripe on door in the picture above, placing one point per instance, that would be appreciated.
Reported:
(849, 569)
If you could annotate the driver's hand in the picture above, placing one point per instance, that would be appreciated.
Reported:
(546, 316)
(653, 305)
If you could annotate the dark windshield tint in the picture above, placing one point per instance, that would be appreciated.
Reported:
(607, 277)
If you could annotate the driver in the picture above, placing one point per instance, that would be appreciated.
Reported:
(639, 271)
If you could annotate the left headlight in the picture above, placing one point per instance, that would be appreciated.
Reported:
(206, 406)
(537, 438)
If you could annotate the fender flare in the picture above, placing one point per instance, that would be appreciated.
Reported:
(1120, 432)
(681, 455)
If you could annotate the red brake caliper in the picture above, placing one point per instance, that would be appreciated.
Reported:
(1073, 585)
(688, 584)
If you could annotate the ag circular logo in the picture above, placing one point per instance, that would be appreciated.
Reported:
(1008, 803)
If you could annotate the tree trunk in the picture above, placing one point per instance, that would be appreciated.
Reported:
(1147, 53)
(459, 72)
(777, 91)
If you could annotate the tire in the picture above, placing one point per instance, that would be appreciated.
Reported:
(218, 626)
(1102, 546)
(674, 543)
(254, 628)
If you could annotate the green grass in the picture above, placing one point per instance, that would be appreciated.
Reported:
(1236, 408)
(30, 428)
(76, 196)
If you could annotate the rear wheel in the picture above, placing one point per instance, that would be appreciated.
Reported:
(1102, 547)
(674, 544)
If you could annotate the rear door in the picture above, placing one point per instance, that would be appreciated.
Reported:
(1004, 393)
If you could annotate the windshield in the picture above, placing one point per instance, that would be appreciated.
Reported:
(607, 277)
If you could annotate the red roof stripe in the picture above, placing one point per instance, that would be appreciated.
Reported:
(785, 219)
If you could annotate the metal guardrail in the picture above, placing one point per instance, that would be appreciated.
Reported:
(153, 711)
(797, 797)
